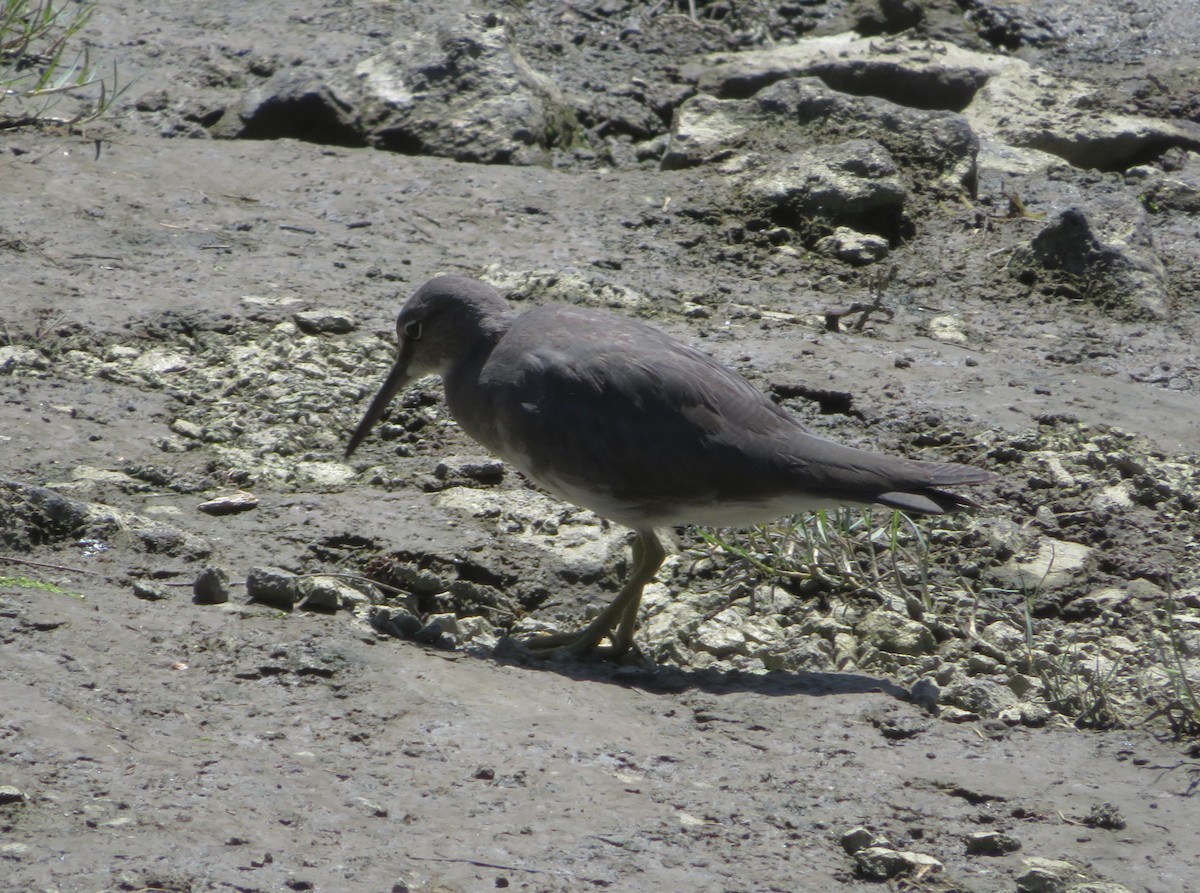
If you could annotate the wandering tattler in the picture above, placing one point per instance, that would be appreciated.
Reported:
(620, 418)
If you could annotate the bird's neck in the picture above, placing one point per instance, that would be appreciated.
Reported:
(461, 383)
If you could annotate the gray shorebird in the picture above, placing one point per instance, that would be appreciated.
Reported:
(620, 418)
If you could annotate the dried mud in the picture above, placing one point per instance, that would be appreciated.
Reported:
(151, 358)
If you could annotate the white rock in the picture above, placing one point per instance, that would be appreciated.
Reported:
(161, 361)
(895, 634)
(1027, 118)
(841, 182)
(947, 328)
(324, 474)
(1056, 564)
(855, 248)
(13, 356)
(721, 635)
(459, 88)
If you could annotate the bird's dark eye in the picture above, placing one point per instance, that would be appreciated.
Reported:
(412, 331)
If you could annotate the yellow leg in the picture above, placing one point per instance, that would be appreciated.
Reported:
(620, 614)
(645, 567)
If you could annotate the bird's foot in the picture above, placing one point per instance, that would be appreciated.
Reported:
(580, 643)
(616, 622)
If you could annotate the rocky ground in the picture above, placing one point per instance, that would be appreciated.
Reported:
(956, 230)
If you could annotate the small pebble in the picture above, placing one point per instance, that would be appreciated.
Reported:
(150, 592)
(1105, 815)
(211, 587)
(878, 863)
(271, 586)
(325, 322)
(326, 593)
(241, 501)
(860, 838)
(10, 794)
(991, 843)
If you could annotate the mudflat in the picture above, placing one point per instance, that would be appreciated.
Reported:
(198, 294)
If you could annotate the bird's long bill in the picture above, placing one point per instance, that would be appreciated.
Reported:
(396, 379)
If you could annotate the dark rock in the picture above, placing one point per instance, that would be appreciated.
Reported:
(1100, 254)
(151, 592)
(991, 843)
(853, 183)
(271, 586)
(34, 516)
(297, 103)
(10, 794)
(460, 89)
(211, 587)
(325, 322)
(886, 16)
(1004, 27)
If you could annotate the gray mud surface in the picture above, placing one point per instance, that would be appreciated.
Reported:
(186, 315)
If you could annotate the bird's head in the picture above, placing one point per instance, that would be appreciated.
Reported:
(444, 322)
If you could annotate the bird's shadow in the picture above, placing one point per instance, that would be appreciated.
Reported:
(666, 679)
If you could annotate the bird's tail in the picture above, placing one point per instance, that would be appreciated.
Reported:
(929, 498)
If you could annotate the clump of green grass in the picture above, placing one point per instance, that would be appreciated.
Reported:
(38, 585)
(884, 554)
(1087, 700)
(40, 65)
(1180, 704)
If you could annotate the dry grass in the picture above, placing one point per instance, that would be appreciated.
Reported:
(41, 66)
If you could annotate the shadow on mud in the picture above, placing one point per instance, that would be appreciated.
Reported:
(674, 680)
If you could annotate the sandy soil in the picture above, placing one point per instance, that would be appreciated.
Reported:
(157, 744)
